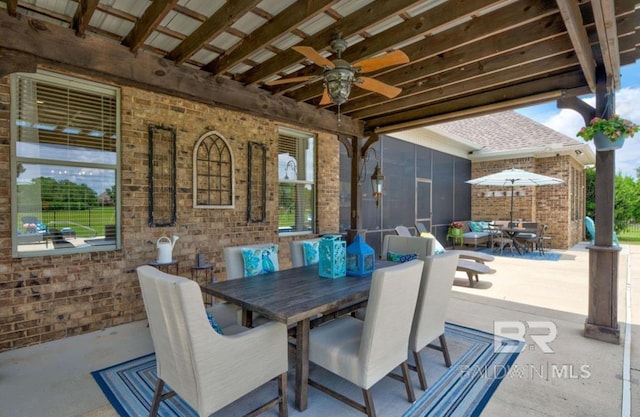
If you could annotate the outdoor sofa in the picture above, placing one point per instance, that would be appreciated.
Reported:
(475, 233)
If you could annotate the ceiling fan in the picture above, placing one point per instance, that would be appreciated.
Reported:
(339, 75)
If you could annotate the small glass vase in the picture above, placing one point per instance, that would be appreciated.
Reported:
(604, 143)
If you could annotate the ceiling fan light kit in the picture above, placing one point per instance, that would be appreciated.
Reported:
(338, 82)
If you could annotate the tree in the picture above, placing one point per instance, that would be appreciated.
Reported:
(591, 192)
(51, 194)
(627, 199)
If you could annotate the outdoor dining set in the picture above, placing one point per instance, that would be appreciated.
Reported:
(359, 327)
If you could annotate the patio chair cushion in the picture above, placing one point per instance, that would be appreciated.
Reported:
(437, 246)
(260, 261)
(401, 257)
(310, 250)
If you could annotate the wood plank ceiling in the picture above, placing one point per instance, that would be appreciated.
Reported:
(466, 57)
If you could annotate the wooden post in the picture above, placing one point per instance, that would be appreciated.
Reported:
(355, 213)
(602, 318)
(357, 152)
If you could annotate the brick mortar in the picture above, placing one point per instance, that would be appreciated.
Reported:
(52, 297)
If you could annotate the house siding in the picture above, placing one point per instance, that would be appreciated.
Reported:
(51, 297)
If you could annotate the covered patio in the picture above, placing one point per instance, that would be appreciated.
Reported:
(181, 75)
(520, 290)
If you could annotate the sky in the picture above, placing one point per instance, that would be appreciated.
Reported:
(569, 122)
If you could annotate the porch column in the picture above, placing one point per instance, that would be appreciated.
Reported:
(356, 151)
(602, 316)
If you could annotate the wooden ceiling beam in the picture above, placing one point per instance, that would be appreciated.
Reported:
(513, 96)
(149, 20)
(570, 11)
(478, 29)
(83, 15)
(421, 25)
(49, 44)
(366, 17)
(284, 22)
(458, 61)
(223, 18)
(12, 7)
(472, 81)
(605, 19)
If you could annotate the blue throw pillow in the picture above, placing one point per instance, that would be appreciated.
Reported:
(401, 257)
(260, 261)
(475, 226)
(310, 251)
(214, 324)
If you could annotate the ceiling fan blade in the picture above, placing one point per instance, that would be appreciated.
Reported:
(314, 56)
(325, 98)
(392, 58)
(379, 87)
(291, 80)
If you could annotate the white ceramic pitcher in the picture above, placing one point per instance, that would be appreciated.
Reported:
(165, 249)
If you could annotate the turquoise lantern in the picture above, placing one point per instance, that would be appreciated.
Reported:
(332, 256)
(360, 258)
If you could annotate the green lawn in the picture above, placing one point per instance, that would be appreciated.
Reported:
(631, 235)
(85, 223)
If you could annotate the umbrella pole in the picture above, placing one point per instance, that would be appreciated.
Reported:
(511, 221)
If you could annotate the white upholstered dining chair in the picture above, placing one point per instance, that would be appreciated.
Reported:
(363, 352)
(428, 320)
(206, 369)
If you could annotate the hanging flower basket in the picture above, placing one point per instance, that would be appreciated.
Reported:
(608, 134)
(604, 143)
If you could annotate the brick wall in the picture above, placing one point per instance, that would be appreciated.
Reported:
(558, 206)
(51, 297)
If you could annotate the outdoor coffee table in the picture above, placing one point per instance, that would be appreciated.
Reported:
(295, 297)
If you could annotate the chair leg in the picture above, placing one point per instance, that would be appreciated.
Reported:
(470, 277)
(411, 396)
(445, 350)
(157, 397)
(368, 403)
(282, 393)
(420, 370)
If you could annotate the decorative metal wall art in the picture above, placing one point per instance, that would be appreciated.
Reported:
(257, 183)
(162, 176)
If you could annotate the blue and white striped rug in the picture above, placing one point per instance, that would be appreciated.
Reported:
(462, 390)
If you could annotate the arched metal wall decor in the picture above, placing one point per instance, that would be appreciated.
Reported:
(213, 182)
(162, 176)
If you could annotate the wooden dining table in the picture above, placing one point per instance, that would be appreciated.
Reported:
(296, 297)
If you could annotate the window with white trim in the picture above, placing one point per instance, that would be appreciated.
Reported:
(296, 182)
(64, 165)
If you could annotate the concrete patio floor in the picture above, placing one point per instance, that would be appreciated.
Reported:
(579, 377)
